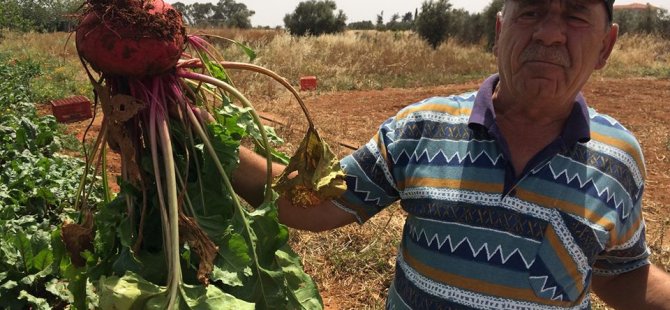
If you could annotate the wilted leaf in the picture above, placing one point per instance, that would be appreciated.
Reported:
(191, 233)
(78, 238)
(319, 174)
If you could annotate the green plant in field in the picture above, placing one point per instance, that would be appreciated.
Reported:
(37, 192)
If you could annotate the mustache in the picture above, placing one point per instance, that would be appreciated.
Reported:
(557, 55)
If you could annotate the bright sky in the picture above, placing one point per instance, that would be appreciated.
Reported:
(271, 13)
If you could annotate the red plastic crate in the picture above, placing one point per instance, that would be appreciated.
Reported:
(308, 83)
(73, 109)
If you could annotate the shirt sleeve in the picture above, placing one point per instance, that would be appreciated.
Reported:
(627, 249)
(630, 255)
(371, 186)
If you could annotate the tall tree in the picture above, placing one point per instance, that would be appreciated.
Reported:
(11, 16)
(202, 13)
(489, 21)
(432, 24)
(380, 21)
(315, 18)
(229, 13)
(185, 11)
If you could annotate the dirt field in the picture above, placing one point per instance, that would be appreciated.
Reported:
(350, 119)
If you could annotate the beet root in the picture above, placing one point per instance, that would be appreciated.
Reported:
(130, 38)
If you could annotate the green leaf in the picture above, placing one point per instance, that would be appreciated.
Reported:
(133, 292)
(303, 292)
(128, 292)
(59, 288)
(77, 286)
(232, 264)
(9, 285)
(39, 303)
(22, 244)
(125, 233)
(43, 259)
(126, 261)
(210, 297)
(270, 234)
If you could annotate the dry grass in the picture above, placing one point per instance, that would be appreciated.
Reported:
(57, 57)
(639, 55)
(358, 60)
(355, 60)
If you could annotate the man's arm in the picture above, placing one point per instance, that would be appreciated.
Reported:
(647, 287)
(249, 183)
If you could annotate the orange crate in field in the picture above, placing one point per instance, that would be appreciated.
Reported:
(308, 83)
(73, 109)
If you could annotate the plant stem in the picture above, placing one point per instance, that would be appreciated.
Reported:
(102, 138)
(229, 188)
(276, 77)
(246, 103)
(173, 204)
(153, 141)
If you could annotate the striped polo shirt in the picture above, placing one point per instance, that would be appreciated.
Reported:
(477, 236)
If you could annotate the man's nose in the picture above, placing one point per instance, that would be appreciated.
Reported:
(551, 29)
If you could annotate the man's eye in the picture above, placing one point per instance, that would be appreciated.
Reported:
(528, 16)
(578, 20)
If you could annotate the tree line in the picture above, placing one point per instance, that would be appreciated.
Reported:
(435, 21)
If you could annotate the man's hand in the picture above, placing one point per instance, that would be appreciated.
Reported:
(249, 183)
(644, 288)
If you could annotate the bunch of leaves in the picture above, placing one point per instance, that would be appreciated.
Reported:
(37, 190)
(254, 268)
(227, 255)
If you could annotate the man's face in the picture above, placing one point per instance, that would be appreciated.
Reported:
(549, 48)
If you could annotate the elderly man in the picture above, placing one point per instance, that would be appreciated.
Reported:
(518, 196)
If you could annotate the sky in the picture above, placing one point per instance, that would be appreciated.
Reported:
(271, 12)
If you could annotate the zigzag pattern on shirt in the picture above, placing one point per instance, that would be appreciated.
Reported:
(542, 283)
(603, 192)
(453, 246)
(439, 157)
(472, 299)
(612, 161)
(365, 195)
(433, 130)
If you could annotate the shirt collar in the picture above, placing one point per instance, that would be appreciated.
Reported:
(577, 128)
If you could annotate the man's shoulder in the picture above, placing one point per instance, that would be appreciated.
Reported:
(454, 105)
(608, 135)
(606, 125)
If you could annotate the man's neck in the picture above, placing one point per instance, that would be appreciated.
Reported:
(531, 111)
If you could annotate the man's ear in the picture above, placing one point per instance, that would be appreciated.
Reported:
(608, 45)
(499, 22)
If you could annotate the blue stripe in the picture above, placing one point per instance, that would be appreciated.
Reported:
(490, 217)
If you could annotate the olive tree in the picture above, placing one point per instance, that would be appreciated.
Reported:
(315, 18)
(432, 24)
